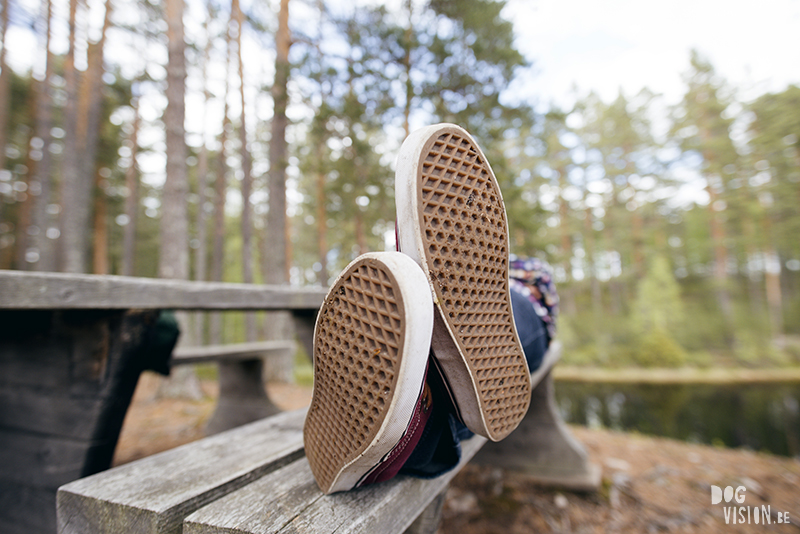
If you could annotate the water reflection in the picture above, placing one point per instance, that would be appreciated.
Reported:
(762, 417)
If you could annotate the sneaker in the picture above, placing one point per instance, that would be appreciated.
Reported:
(371, 345)
(451, 220)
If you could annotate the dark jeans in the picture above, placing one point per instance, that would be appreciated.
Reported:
(439, 448)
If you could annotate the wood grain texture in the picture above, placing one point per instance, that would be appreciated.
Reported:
(233, 351)
(154, 494)
(31, 291)
(289, 501)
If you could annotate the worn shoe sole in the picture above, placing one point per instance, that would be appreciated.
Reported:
(452, 221)
(371, 346)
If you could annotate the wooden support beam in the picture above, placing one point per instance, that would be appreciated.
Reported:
(231, 352)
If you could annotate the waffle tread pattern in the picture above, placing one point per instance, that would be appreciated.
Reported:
(465, 241)
(357, 347)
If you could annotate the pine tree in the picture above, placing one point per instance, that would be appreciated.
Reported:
(701, 127)
(775, 142)
(5, 80)
(174, 252)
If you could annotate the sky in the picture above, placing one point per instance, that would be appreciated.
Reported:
(586, 45)
(630, 44)
(605, 45)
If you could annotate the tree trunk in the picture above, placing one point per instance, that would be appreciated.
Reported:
(409, 33)
(24, 215)
(772, 280)
(5, 80)
(720, 258)
(100, 249)
(220, 191)
(70, 249)
(277, 260)
(361, 237)
(567, 299)
(82, 124)
(91, 101)
(247, 180)
(174, 250)
(201, 253)
(44, 125)
(322, 220)
(591, 260)
(174, 255)
(276, 220)
(132, 200)
(753, 287)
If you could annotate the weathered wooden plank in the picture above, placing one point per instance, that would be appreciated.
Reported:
(288, 500)
(28, 290)
(154, 494)
(233, 351)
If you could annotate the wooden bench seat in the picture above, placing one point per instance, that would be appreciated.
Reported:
(250, 479)
(154, 494)
(255, 479)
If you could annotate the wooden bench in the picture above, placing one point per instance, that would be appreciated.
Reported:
(255, 479)
(70, 356)
(72, 348)
(242, 398)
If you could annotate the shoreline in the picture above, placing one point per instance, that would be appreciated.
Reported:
(683, 375)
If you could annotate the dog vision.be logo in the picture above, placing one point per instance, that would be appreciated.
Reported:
(744, 514)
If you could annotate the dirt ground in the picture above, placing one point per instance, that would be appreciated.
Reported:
(649, 484)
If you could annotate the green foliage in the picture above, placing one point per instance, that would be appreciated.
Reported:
(657, 348)
(645, 280)
(658, 305)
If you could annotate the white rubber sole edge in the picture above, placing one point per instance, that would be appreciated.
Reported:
(418, 320)
(409, 234)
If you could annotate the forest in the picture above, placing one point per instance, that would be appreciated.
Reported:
(255, 142)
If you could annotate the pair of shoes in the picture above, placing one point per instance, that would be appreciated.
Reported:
(446, 293)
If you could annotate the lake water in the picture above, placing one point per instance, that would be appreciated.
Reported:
(761, 417)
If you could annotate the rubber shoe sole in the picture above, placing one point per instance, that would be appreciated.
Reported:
(371, 345)
(452, 221)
